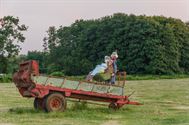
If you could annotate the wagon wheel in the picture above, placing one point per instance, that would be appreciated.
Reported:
(39, 103)
(55, 102)
(113, 105)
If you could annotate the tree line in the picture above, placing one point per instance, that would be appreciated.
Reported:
(145, 45)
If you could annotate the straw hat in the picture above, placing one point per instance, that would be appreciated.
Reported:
(114, 54)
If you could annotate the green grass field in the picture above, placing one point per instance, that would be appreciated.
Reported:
(166, 102)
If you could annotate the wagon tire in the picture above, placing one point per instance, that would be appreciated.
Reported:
(55, 102)
(113, 106)
(38, 103)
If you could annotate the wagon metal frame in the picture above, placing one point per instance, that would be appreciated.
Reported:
(51, 96)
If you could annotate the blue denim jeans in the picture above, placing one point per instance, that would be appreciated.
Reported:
(113, 79)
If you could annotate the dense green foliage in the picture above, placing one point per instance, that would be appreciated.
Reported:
(10, 36)
(4, 78)
(146, 45)
(58, 74)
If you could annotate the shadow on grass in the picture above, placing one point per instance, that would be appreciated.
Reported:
(24, 110)
(77, 111)
(81, 111)
(83, 106)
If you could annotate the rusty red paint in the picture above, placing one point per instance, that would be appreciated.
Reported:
(55, 103)
(28, 88)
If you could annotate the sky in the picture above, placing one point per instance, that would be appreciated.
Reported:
(40, 14)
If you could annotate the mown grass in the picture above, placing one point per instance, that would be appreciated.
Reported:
(7, 78)
(165, 103)
(156, 77)
(142, 77)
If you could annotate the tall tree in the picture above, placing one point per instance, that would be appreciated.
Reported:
(10, 37)
(151, 45)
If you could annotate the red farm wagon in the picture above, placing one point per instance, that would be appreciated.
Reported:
(51, 93)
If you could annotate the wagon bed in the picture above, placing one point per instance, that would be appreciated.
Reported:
(50, 93)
